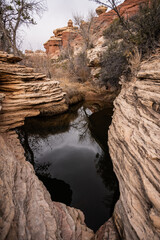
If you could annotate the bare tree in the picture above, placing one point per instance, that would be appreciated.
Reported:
(14, 14)
(85, 28)
(114, 5)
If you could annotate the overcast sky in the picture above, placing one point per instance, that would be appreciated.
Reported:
(57, 15)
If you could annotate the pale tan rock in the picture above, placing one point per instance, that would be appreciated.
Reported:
(94, 54)
(134, 145)
(70, 23)
(27, 94)
(4, 57)
(27, 211)
(101, 9)
(150, 70)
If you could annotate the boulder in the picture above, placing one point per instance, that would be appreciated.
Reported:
(101, 9)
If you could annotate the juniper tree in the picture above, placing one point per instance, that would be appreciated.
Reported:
(14, 14)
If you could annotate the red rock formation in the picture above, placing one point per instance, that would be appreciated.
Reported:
(127, 9)
(100, 10)
(68, 37)
(53, 45)
(61, 38)
(64, 36)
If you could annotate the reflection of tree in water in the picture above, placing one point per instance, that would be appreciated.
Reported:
(98, 124)
(81, 125)
(39, 129)
(43, 169)
(58, 189)
(23, 136)
(104, 168)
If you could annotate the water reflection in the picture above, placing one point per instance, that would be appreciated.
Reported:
(70, 155)
(58, 189)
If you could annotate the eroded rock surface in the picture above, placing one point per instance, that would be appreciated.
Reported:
(1, 100)
(27, 211)
(134, 143)
(26, 94)
(107, 231)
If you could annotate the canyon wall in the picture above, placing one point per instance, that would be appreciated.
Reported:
(26, 93)
(134, 143)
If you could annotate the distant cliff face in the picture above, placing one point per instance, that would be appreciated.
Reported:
(134, 143)
(127, 9)
(26, 93)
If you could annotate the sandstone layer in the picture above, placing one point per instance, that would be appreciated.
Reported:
(26, 94)
(134, 143)
(1, 100)
(27, 211)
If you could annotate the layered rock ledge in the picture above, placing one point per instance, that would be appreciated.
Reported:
(26, 94)
(134, 138)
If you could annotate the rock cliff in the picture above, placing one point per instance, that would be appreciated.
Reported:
(26, 93)
(134, 148)
(27, 211)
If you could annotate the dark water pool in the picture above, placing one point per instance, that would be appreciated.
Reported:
(70, 155)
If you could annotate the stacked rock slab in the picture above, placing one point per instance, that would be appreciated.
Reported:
(134, 143)
(27, 211)
(26, 93)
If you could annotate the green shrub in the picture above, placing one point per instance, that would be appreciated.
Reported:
(114, 62)
(115, 31)
(125, 37)
(145, 26)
